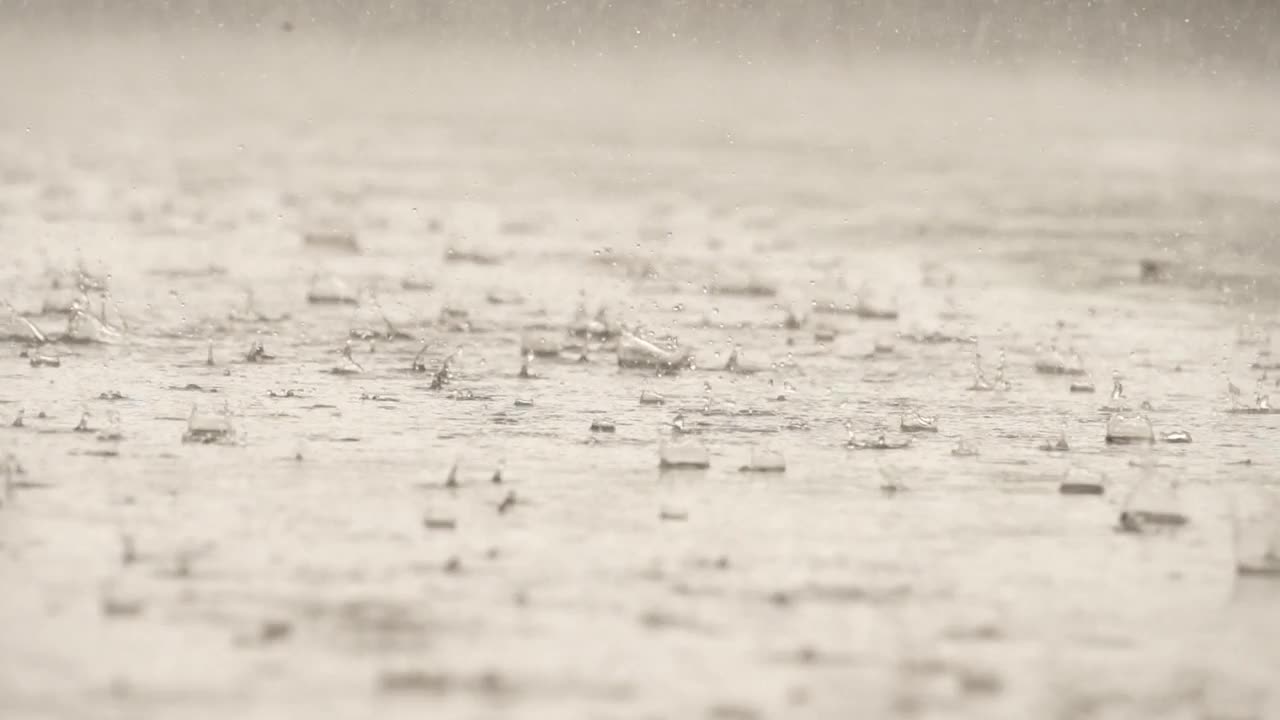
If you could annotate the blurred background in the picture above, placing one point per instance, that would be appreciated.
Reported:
(1177, 34)
(1051, 120)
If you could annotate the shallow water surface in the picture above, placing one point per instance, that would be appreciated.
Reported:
(320, 563)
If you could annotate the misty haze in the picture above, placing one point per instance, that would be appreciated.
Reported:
(736, 360)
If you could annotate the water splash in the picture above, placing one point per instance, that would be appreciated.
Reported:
(980, 382)
(18, 327)
(879, 442)
(257, 353)
(634, 352)
(745, 286)
(598, 327)
(541, 341)
(330, 290)
(683, 455)
(649, 397)
(350, 365)
(444, 374)
(883, 346)
(1083, 386)
(737, 365)
(339, 241)
(1152, 505)
(765, 460)
(114, 432)
(473, 256)
(1052, 362)
(1116, 401)
(417, 283)
(603, 425)
(419, 364)
(1059, 444)
(914, 422)
(1257, 539)
(1261, 400)
(250, 313)
(454, 319)
(1083, 481)
(83, 327)
(209, 429)
(525, 372)
(1234, 394)
(875, 305)
(369, 321)
(38, 360)
(1126, 427)
(892, 479)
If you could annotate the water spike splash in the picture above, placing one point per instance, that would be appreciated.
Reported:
(980, 382)
(1117, 389)
(25, 325)
(419, 365)
(257, 353)
(83, 327)
(732, 364)
(1261, 400)
(1058, 445)
(1000, 365)
(346, 355)
(444, 374)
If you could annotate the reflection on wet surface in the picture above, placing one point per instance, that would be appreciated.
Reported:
(382, 409)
